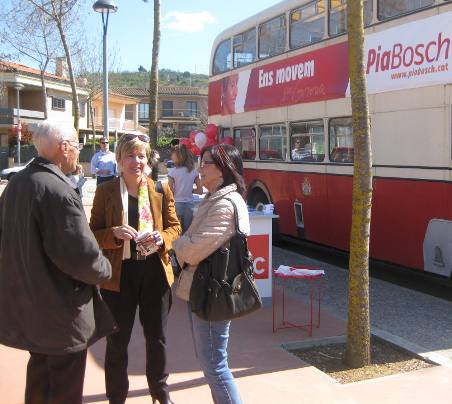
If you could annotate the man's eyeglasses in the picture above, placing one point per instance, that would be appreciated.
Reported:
(103, 142)
(75, 145)
(143, 138)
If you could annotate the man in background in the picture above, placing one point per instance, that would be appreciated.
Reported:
(50, 263)
(103, 163)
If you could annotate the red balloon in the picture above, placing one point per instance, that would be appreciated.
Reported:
(195, 150)
(228, 140)
(211, 130)
(193, 135)
(210, 142)
(185, 141)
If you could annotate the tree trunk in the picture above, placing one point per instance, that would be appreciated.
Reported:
(154, 77)
(75, 106)
(358, 327)
(44, 89)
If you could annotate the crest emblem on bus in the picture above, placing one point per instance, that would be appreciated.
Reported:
(306, 187)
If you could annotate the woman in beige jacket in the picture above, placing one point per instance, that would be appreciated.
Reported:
(213, 224)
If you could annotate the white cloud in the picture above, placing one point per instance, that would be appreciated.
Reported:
(187, 22)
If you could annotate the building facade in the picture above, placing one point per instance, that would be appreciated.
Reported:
(180, 109)
(122, 113)
(57, 101)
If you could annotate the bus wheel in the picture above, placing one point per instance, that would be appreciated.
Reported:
(257, 196)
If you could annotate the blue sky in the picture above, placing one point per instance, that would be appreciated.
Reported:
(187, 32)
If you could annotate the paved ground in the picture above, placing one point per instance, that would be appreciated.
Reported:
(423, 322)
(266, 373)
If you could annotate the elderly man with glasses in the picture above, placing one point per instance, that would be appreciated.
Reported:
(103, 163)
(50, 263)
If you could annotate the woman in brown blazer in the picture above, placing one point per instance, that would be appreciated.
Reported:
(123, 209)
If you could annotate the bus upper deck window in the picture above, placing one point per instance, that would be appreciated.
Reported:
(392, 8)
(338, 16)
(272, 37)
(244, 48)
(307, 24)
(222, 60)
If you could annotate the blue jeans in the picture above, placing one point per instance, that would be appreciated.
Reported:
(184, 212)
(211, 341)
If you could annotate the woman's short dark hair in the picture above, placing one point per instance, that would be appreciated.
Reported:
(228, 159)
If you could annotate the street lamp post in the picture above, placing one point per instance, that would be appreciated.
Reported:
(105, 7)
(18, 87)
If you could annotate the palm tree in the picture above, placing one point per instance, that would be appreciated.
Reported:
(358, 327)
(154, 76)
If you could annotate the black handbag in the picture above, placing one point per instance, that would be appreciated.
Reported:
(223, 285)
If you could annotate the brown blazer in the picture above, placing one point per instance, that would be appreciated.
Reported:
(107, 213)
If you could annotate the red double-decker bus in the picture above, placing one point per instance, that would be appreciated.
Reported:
(279, 86)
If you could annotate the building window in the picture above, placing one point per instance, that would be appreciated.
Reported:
(341, 140)
(185, 129)
(128, 112)
(82, 108)
(167, 108)
(307, 24)
(58, 103)
(143, 111)
(307, 141)
(244, 48)
(273, 142)
(272, 37)
(222, 59)
(192, 108)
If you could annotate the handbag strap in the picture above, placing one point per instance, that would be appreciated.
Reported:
(242, 235)
(236, 218)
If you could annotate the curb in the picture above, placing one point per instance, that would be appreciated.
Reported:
(429, 356)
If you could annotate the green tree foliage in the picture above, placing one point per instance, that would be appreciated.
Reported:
(166, 77)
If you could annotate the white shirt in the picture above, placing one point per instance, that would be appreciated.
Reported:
(183, 183)
(104, 161)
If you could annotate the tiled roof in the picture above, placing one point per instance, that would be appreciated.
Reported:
(11, 67)
(164, 90)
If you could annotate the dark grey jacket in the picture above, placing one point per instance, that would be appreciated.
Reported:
(49, 262)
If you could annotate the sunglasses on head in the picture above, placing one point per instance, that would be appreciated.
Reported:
(143, 138)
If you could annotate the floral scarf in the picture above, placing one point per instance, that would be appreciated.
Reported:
(145, 219)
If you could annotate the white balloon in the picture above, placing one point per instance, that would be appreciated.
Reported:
(200, 139)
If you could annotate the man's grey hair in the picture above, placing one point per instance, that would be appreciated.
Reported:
(50, 133)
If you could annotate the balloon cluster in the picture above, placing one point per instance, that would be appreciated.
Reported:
(199, 140)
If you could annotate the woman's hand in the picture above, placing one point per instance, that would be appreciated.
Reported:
(153, 238)
(124, 232)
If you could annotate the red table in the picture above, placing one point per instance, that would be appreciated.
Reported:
(315, 282)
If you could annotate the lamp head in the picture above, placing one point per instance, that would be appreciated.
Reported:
(106, 6)
(18, 86)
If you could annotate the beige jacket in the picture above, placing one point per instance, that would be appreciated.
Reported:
(213, 225)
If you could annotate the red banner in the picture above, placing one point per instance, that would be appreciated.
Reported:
(313, 76)
(258, 245)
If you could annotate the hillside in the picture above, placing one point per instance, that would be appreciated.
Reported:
(140, 79)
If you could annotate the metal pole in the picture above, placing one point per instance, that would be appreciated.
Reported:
(105, 74)
(18, 124)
